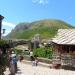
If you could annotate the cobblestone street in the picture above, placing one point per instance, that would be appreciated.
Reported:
(28, 69)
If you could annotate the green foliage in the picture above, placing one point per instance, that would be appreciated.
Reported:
(40, 52)
(3, 42)
(43, 52)
(49, 52)
(3, 63)
(46, 28)
(3, 60)
(18, 51)
(3, 57)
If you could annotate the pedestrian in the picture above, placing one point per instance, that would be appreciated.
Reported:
(33, 61)
(15, 63)
(14, 58)
(12, 67)
(36, 60)
(21, 58)
(31, 55)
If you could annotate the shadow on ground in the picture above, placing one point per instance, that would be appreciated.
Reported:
(68, 68)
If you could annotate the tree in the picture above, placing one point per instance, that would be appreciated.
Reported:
(3, 56)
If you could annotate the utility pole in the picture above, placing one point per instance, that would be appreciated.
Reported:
(1, 18)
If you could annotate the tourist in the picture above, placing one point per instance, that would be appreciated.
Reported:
(12, 67)
(36, 60)
(33, 60)
(21, 58)
(31, 55)
(15, 62)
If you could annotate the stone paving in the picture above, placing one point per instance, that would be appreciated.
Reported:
(28, 69)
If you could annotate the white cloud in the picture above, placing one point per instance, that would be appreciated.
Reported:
(8, 24)
(71, 17)
(34, 1)
(6, 32)
(40, 1)
(9, 27)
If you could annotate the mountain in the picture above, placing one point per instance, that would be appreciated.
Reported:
(46, 28)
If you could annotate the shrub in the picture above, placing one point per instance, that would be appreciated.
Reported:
(43, 52)
(18, 51)
(40, 52)
(3, 63)
(3, 56)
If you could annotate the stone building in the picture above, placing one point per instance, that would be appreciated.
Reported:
(64, 45)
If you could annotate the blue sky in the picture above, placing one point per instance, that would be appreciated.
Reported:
(16, 11)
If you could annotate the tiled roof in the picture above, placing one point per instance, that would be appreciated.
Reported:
(65, 36)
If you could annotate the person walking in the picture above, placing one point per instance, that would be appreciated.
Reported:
(33, 61)
(32, 58)
(21, 58)
(12, 67)
(31, 55)
(15, 63)
(36, 60)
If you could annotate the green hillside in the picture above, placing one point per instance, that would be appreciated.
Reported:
(46, 29)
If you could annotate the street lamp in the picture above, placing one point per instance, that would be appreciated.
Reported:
(1, 18)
